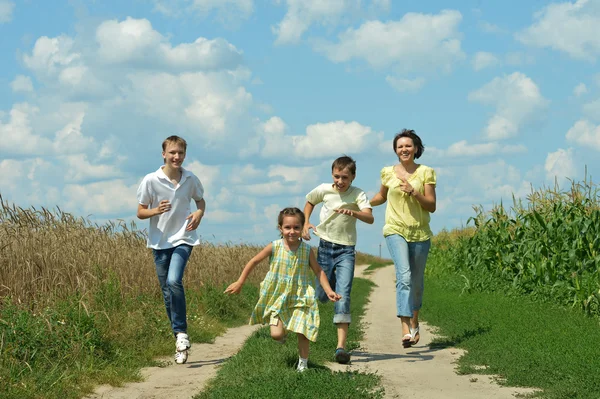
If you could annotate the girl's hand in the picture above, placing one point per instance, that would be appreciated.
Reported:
(234, 288)
(333, 296)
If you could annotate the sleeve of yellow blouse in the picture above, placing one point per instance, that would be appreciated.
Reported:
(384, 177)
(430, 177)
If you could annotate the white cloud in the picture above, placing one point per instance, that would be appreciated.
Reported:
(103, 198)
(585, 134)
(211, 104)
(560, 165)
(428, 41)
(321, 140)
(303, 13)
(51, 55)
(227, 10)
(580, 90)
(70, 139)
(6, 9)
(573, 28)
(209, 175)
(246, 173)
(592, 109)
(516, 58)
(135, 42)
(17, 136)
(405, 85)
(517, 100)
(22, 84)
(302, 176)
(482, 60)
(78, 169)
(462, 149)
(488, 27)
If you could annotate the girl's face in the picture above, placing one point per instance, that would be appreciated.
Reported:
(405, 149)
(291, 229)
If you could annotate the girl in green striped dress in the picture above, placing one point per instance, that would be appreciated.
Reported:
(287, 295)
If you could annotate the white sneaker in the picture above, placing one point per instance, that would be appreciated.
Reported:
(302, 367)
(181, 357)
(182, 343)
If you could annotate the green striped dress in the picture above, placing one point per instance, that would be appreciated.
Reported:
(287, 293)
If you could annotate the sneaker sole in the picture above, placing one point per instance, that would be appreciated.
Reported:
(342, 358)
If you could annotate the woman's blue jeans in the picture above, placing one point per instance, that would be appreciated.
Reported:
(409, 259)
(170, 265)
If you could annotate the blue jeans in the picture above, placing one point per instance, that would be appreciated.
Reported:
(409, 259)
(170, 265)
(337, 261)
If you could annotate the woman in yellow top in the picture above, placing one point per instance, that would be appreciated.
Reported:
(409, 189)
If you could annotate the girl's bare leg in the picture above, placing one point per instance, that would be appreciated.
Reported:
(277, 331)
(303, 346)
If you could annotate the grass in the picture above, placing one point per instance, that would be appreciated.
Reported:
(265, 369)
(77, 299)
(526, 343)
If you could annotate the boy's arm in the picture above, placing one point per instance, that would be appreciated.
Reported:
(236, 287)
(312, 261)
(308, 208)
(144, 213)
(196, 216)
(366, 215)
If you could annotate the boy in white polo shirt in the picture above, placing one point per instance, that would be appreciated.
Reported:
(343, 204)
(164, 197)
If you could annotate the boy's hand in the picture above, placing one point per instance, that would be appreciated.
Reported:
(163, 206)
(194, 220)
(333, 296)
(344, 211)
(234, 288)
(306, 231)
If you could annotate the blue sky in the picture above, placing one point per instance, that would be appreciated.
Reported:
(505, 95)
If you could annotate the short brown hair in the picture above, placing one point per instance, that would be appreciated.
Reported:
(174, 140)
(344, 162)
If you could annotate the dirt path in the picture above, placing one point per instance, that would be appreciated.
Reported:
(417, 372)
(181, 381)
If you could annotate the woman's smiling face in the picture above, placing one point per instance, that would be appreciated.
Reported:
(405, 149)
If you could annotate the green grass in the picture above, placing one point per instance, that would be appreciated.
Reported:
(265, 369)
(526, 343)
(64, 351)
(376, 265)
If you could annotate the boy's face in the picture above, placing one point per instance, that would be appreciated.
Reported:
(174, 155)
(342, 179)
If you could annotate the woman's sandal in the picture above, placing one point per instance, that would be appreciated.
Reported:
(415, 336)
(407, 340)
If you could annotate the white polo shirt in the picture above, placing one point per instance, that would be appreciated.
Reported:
(168, 229)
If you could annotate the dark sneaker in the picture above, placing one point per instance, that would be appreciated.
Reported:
(341, 356)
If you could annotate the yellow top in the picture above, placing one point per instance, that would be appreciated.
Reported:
(403, 214)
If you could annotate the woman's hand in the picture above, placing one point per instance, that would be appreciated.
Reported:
(406, 187)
